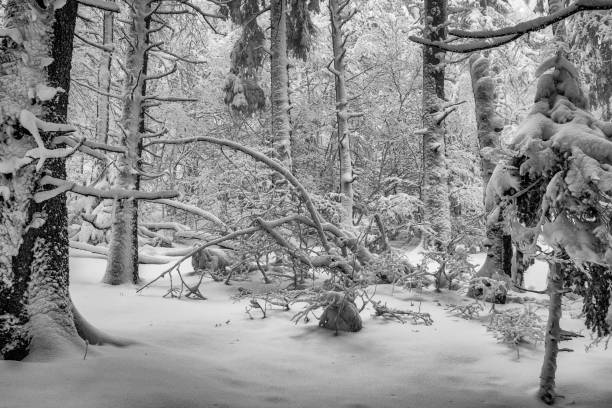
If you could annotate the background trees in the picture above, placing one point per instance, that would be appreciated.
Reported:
(328, 141)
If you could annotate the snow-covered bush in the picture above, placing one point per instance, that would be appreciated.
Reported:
(517, 325)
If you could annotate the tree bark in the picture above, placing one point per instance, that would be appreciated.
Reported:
(104, 85)
(122, 266)
(342, 114)
(489, 125)
(35, 307)
(434, 186)
(553, 334)
(279, 83)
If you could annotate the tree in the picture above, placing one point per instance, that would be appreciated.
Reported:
(338, 20)
(104, 86)
(489, 125)
(279, 77)
(122, 265)
(36, 313)
(434, 187)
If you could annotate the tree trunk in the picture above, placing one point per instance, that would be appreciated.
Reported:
(104, 85)
(342, 115)
(122, 266)
(489, 125)
(35, 307)
(279, 83)
(553, 334)
(434, 186)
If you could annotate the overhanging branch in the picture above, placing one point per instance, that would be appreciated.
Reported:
(495, 38)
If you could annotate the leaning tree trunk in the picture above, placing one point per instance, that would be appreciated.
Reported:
(122, 265)
(489, 125)
(553, 334)
(434, 186)
(35, 307)
(342, 114)
(279, 83)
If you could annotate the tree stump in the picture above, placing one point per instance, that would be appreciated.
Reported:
(488, 290)
(341, 316)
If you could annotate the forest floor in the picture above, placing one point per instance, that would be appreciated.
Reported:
(209, 353)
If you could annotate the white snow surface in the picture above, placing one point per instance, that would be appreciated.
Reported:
(210, 354)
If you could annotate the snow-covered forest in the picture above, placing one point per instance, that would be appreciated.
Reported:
(305, 203)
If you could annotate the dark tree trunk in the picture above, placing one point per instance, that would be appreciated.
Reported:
(40, 268)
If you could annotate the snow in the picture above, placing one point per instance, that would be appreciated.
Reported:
(210, 354)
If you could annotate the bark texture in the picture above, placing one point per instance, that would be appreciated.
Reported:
(553, 335)
(122, 266)
(489, 125)
(279, 83)
(434, 187)
(342, 114)
(104, 85)
(34, 301)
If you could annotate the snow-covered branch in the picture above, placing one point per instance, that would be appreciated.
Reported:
(192, 209)
(142, 258)
(495, 38)
(266, 160)
(467, 47)
(63, 186)
(538, 23)
(88, 146)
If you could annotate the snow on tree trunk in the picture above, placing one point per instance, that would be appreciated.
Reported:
(434, 187)
(122, 266)
(489, 125)
(35, 307)
(279, 83)
(342, 115)
(553, 334)
(104, 85)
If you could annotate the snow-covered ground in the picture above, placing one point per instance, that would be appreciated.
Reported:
(210, 354)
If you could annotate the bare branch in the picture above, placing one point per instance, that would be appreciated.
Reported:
(178, 57)
(161, 75)
(170, 99)
(96, 90)
(101, 4)
(93, 44)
